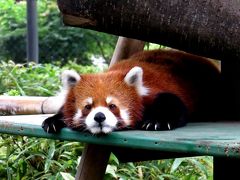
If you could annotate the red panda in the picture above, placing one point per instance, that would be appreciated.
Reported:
(152, 90)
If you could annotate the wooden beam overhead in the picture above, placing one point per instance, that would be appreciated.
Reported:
(208, 28)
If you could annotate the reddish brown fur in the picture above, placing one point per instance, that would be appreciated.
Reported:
(192, 78)
(99, 87)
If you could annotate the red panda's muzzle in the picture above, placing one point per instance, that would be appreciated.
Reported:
(101, 120)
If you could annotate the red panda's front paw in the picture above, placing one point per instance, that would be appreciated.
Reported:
(157, 126)
(53, 124)
(167, 112)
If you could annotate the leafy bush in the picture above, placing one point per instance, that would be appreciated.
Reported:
(32, 158)
(36, 158)
(179, 168)
(34, 79)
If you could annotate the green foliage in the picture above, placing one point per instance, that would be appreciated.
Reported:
(35, 158)
(34, 79)
(32, 158)
(152, 46)
(179, 168)
(56, 41)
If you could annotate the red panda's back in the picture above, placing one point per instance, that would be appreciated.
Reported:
(194, 79)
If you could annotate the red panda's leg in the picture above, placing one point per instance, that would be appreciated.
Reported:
(54, 123)
(166, 112)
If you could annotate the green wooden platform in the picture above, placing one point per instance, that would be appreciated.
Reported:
(217, 139)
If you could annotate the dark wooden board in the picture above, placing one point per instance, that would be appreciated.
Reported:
(208, 28)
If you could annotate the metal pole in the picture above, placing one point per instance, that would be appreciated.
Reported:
(32, 31)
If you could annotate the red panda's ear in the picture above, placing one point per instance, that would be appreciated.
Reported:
(69, 78)
(135, 78)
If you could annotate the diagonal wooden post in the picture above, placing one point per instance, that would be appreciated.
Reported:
(95, 157)
(93, 162)
(126, 47)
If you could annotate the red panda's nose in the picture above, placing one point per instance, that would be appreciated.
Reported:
(99, 117)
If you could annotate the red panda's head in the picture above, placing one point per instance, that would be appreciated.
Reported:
(101, 103)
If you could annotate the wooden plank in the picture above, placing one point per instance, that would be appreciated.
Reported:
(29, 105)
(24, 119)
(208, 28)
(218, 139)
(93, 162)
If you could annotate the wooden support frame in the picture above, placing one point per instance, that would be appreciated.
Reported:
(126, 47)
(93, 162)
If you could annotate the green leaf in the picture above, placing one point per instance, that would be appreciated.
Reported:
(111, 169)
(199, 166)
(168, 176)
(51, 150)
(113, 159)
(67, 176)
(176, 163)
(47, 165)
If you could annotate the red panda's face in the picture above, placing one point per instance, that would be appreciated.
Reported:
(104, 102)
(101, 114)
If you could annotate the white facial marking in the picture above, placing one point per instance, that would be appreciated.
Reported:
(107, 126)
(95, 130)
(107, 130)
(135, 78)
(89, 100)
(125, 116)
(108, 99)
(69, 78)
(77, 116)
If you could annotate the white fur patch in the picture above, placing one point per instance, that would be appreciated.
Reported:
(109, 99)
(69, 78)
(107, 126)
(125, 116)
(89, 100)
(135, 78)
(77, 116)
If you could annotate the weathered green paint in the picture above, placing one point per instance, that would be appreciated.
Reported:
(218, 139)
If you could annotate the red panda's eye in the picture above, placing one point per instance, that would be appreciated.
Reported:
(112, 106)
(88, 107)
